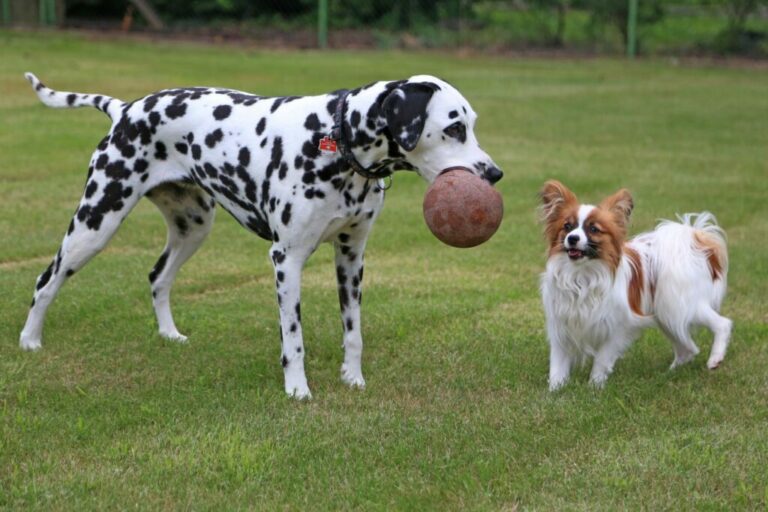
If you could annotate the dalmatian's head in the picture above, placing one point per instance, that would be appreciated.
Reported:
(434, 126)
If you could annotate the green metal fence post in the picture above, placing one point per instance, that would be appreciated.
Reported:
(47, 10)
(632, 29)
(322, 23)
(6, 11)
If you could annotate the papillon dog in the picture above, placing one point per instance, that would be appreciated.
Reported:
(601, 291)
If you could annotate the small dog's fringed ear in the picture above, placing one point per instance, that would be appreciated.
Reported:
(554, 195)
(406, 112)
(621, 204)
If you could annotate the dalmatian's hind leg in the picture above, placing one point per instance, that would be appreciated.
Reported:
(101, 210)
(189, 214)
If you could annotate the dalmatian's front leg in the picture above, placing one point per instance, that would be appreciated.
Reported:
(349, 277)
(288, 266)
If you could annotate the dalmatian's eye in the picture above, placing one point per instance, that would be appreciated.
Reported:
(457, 131)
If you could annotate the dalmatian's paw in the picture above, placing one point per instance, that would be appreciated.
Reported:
(174, 336)
(30, 344)
(352, 377)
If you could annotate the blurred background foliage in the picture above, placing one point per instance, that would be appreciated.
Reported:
(664, 26)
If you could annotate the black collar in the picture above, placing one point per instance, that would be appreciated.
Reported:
(339, 134)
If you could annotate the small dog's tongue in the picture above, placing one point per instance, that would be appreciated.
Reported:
(575, 253)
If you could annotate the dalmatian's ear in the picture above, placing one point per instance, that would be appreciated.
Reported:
(405, 109)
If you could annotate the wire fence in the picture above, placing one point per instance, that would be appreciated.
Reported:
(663, 26)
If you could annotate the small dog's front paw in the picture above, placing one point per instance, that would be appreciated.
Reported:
(598, 381)
(557, 382)
(714, 362)
(30, 344)
(174, 336)
(352, 377)
(682, 358)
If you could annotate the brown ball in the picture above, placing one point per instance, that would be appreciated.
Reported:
(462, 209)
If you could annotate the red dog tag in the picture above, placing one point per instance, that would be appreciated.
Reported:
(327, 144)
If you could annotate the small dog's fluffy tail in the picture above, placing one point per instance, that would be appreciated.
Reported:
(62, 99)
(710, 238)
(691, 263)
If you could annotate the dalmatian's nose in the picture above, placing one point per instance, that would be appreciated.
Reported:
(493, 174)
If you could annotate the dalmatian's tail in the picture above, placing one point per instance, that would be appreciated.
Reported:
(62, 99)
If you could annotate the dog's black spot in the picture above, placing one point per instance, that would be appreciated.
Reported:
(160, 151)
(71, 99)
(196, 151)
(278, 256)
(312, 123)
(181, 148)
(453, 114)
(91, 189)
(140, 165)
(343, 297)
(101, 161)
(71, 227)
(261, 125)
(158, 268)
(210, 170)
(117, 170)
(280, 276)
(150, 102)
(341, 275)
(284, 361)
(260, 226)
(70, 272)
(212, 138)
(355, 118)
(244, 156)
(331, 105)
(298, 311)
(222, 112)
(343, 238)
(308, 178)
(44, 277)
(154, 119)
(293, 329)
(181, 225)
(350, 324)
(286, 215)
(176, 110)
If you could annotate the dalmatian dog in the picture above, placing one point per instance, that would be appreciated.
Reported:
(296, 171)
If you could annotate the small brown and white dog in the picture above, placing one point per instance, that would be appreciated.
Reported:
(600, 291)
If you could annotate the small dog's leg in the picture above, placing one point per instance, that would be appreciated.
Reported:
(189, 214)
(721, 329)
(349, 277)
(604, 361)
(288, 266)
(684, 346)
(559, 366)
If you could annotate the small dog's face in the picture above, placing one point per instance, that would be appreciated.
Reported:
(434, 124)
(583, 231)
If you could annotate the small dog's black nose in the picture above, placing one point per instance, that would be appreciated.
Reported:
(493, 174)
(573, 239)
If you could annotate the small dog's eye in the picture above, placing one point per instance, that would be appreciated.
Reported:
(593, 229)
(568, 226)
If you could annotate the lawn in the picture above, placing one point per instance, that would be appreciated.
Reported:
(456, 414)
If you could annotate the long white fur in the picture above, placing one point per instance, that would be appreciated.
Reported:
(587, 306)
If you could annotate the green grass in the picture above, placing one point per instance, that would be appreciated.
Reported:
(456, 414)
